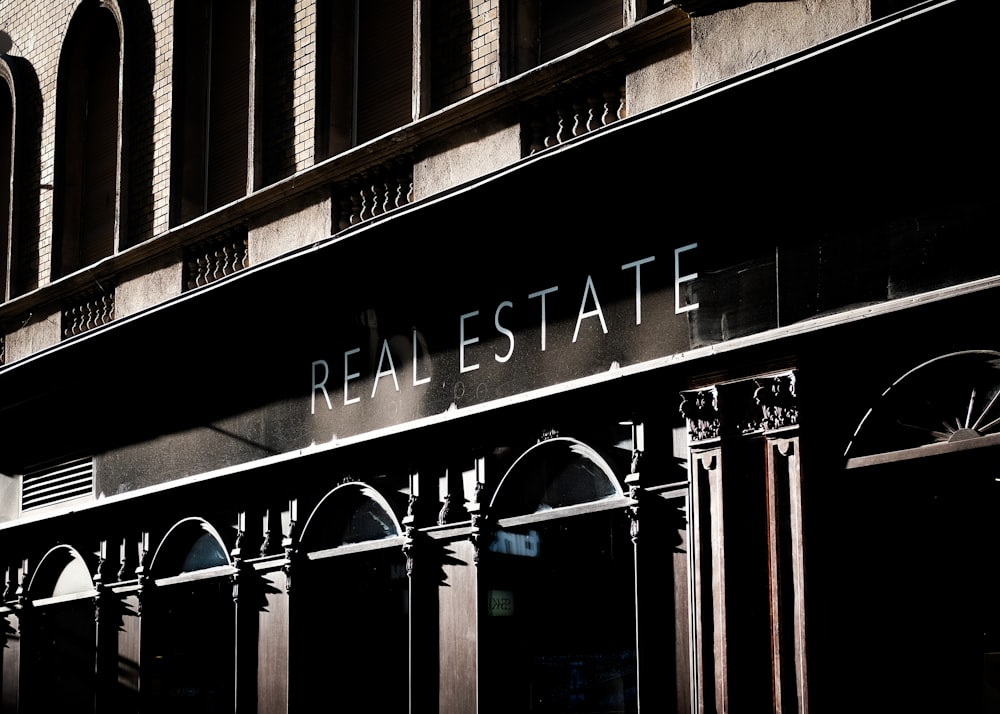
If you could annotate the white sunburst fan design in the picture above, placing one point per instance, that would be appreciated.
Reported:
(951, 398)
(966, 428)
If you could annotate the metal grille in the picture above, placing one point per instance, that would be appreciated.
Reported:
(60, 482)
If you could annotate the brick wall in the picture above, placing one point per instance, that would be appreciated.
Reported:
(465, 49)
(286, 38)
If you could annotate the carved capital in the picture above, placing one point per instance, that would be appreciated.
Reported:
(778, 401)
(290, 545)
(700, 407)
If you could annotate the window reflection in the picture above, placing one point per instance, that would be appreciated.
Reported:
(558, 618)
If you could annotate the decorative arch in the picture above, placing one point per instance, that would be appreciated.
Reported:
(558, 528)
(57, 657)
(350, 513)
(951, 402)
(20, 139)
(554, 473)
(89, 106)
(351, 588)
(188, 632)
(191, 545)
(61, 572)
(8, 130)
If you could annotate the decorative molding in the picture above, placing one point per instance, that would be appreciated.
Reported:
(480, 520)
(216, 257)
(88, 310)
(376, 191)
(700, 408)
(290, 545)
(778, 402)
(632, 483)
(591, 103)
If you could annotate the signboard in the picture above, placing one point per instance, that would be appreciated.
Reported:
(422, 359)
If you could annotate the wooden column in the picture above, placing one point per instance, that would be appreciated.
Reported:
(10, 655)
(777, 400)
(786, 574)
(709, 581)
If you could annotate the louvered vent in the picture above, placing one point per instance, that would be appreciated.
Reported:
(60, 482)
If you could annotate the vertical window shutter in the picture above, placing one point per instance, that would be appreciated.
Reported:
(192, 23)
(100, 158)
(229, 97)
(385, 67)
(568, 24)
(6, 176)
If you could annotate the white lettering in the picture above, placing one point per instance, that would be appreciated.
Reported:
(589, 288)
(418, 340)
(637, 264)
(463, 342)
(503, 331)
(383, 373)
(542, 294)
(348, 376)
(679, 279)
(320, 385)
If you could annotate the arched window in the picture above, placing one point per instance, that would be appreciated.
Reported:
(350, 606)
(188, 635)
(88, 185)
(211, 109)
(7, 131)
(949, 403)
(925, 498)
(58, 635)
(557, 608)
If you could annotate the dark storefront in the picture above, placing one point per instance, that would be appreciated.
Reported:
(671, 416)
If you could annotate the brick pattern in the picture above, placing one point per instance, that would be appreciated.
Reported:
(463, 44)
(162, 75)
(304, 84)
(465, 49)
(286, 93)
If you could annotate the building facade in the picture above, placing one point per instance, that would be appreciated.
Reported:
(489, 356)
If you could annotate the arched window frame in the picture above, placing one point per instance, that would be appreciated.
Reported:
(358, 490)
(43, 587)
(617, 500)
(188, 530)
(68, 254)
(8, 147)
(913, 417)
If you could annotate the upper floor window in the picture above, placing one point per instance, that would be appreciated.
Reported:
(211, 104)
(88, 184)
(6, 176)
(537, 31)
(20, 136)
(366, 74)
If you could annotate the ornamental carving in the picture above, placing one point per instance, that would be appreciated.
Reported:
(701, 410)
(777, 401)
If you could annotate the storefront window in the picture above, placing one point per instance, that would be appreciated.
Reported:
(189, 625)
(58, 636)
(350, 607)
(557, 613)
